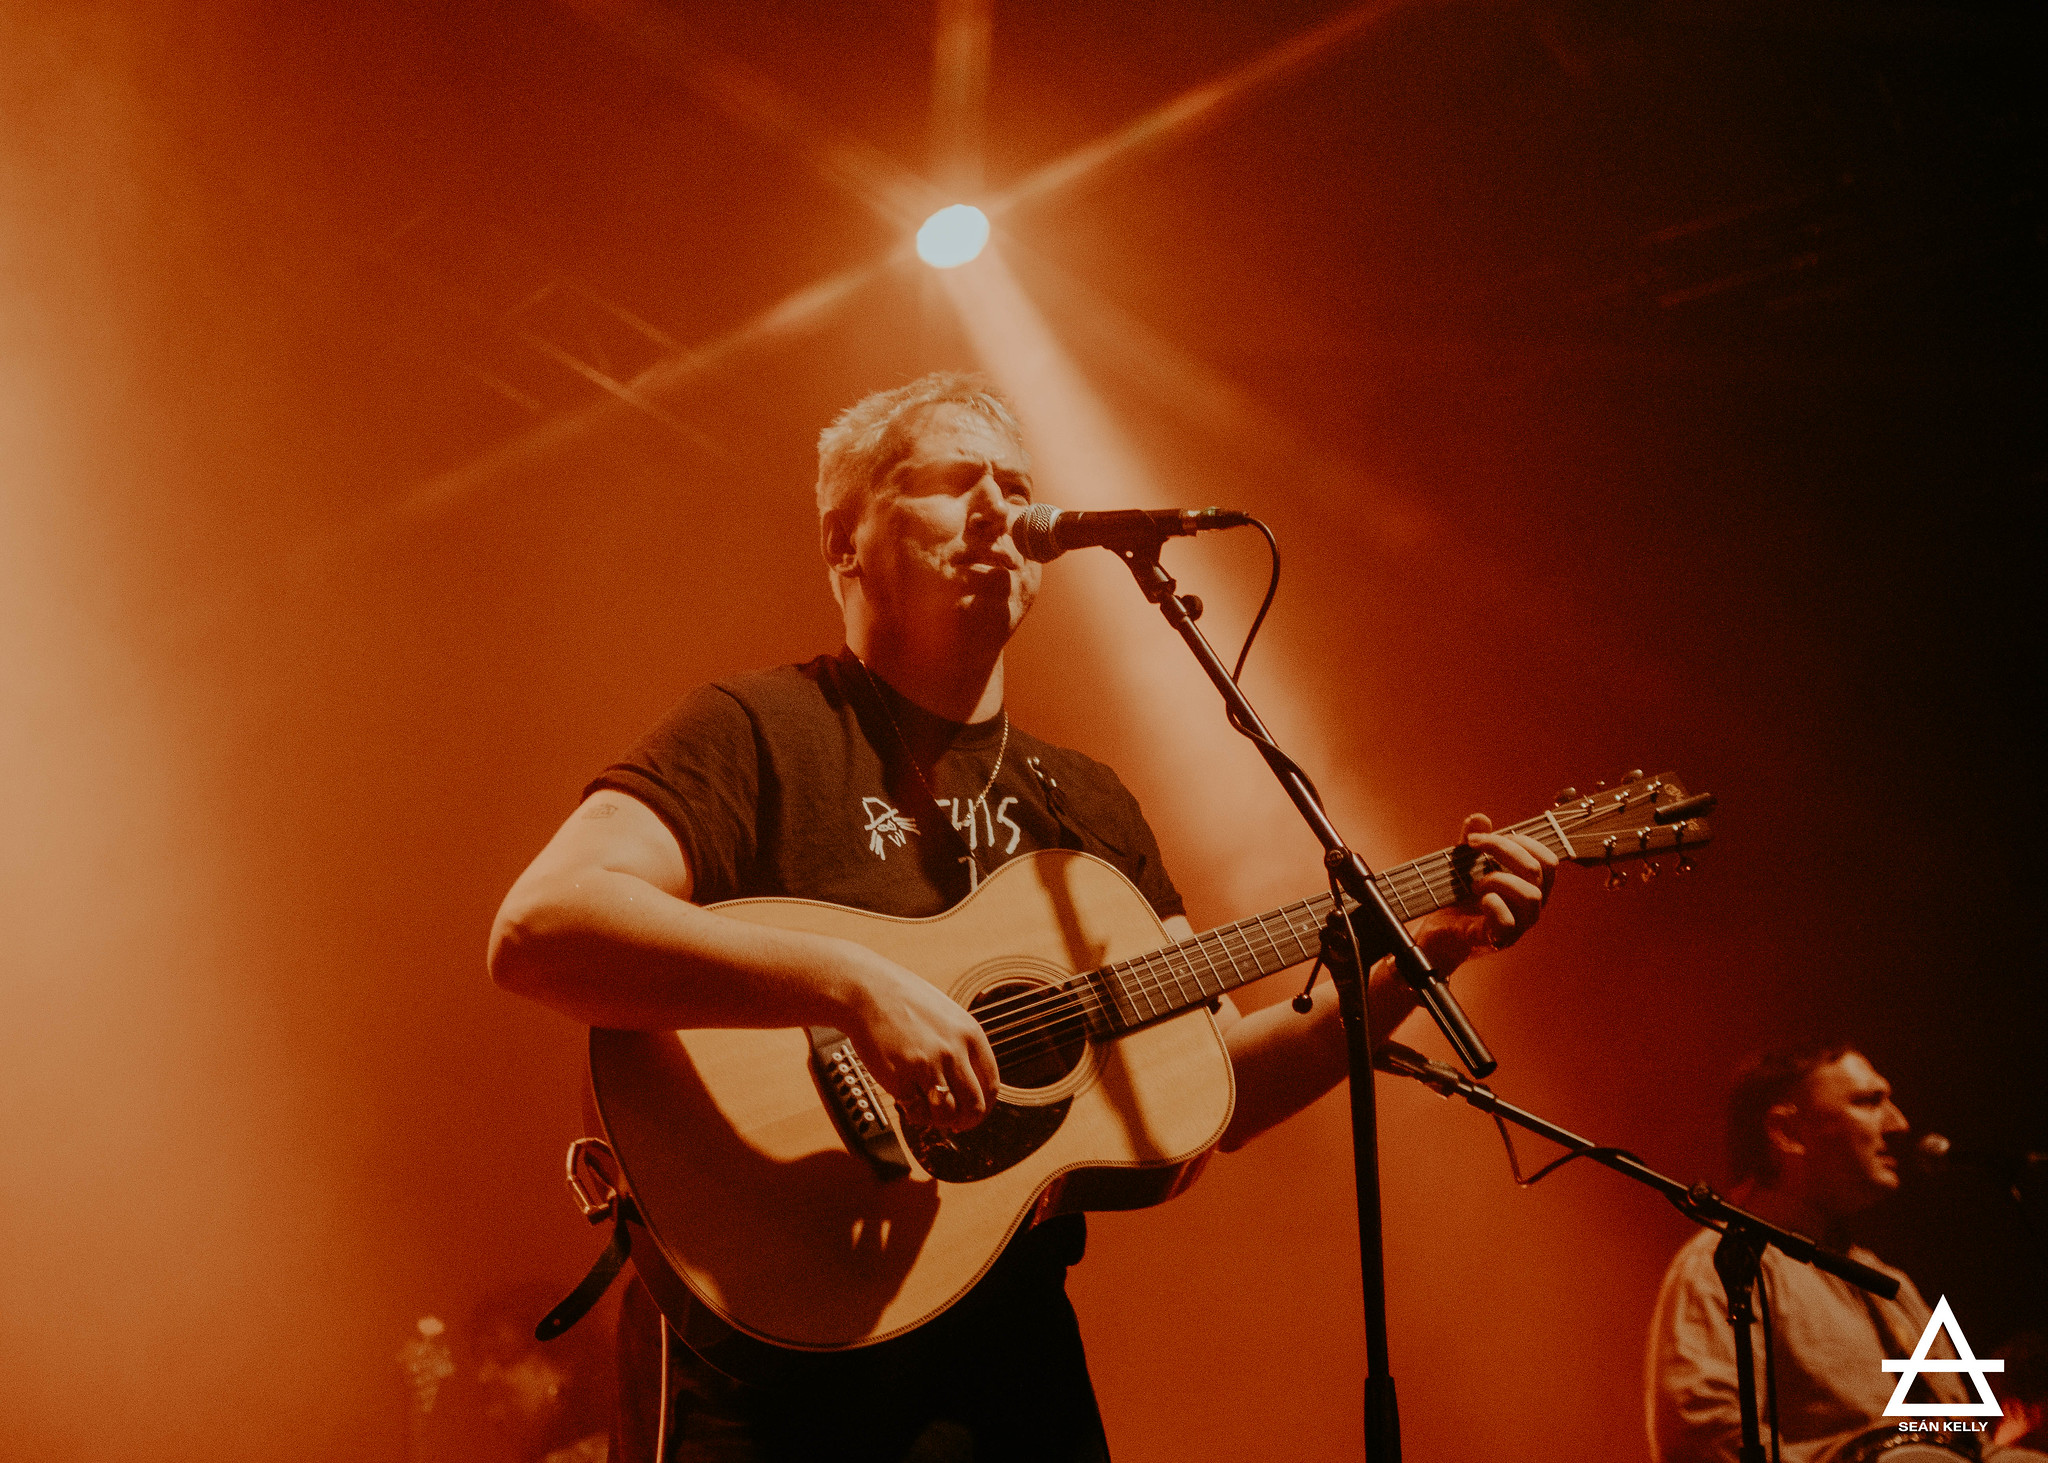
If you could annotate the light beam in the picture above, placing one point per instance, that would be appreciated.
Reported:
(1083, 458)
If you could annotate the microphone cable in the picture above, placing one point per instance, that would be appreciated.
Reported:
(1267, 747)
(1272, 588)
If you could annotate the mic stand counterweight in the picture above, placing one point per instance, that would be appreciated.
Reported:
(1351, 943)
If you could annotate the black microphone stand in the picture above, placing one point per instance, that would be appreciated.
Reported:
(1353, 939)
(1737, 1259)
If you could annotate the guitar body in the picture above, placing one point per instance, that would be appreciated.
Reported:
(766, 1235)
(757, 1222)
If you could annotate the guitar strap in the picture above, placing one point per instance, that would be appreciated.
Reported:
(577, 1303)
(614, 1204)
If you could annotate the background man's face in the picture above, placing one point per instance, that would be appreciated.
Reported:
(934, 537)
(1844, 1120)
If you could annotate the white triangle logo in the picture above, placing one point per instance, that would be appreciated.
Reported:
(1943, 1319)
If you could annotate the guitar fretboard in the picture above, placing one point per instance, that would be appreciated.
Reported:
(1131, 993)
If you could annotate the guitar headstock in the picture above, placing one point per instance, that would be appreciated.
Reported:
(1641, 817)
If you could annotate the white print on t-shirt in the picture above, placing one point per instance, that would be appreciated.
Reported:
(970, 827)
(885, 822)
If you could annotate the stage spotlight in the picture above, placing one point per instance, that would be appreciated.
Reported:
(952, 236)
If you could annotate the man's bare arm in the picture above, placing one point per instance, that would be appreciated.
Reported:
(1284, 1061)
(600, 928)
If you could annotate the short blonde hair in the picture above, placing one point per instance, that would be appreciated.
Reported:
(867, 440)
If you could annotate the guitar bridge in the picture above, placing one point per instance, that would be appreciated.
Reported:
(855, 1102)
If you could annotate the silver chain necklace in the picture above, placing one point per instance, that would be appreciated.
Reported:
(911, 757)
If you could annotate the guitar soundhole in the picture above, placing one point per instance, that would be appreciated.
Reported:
(1039, 1034)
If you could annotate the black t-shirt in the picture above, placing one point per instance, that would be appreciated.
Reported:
(819, 781)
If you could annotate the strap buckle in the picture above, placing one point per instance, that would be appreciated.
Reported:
(594, 1189)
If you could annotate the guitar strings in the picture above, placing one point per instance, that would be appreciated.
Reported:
(1403, 880)
(1023, 1017)
(1154, 985)
(1004, 1019)
(1002, 1011)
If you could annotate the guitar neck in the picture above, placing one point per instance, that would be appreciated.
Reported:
(1195, 972)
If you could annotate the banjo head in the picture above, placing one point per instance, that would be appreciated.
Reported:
(1900, 1448)
(1907, 1448)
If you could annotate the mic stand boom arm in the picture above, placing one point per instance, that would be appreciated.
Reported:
(1351, 946)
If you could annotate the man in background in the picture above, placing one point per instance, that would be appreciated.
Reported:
(1811, 1133)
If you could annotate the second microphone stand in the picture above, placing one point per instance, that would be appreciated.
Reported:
(1362, 929)
(1738, 1259)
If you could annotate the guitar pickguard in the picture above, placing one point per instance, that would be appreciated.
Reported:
(1005, 1138)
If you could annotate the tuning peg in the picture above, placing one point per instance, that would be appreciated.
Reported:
(1649, 871)
(1616, 878)
(1569, 795)
(1635, 774)
(1684, 864)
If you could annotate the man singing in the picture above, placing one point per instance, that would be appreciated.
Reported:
(889, 777)
(1809, 1139)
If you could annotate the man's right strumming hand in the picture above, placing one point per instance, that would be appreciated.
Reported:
(920, 1044)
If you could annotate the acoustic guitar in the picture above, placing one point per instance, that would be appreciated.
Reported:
(785, 1205)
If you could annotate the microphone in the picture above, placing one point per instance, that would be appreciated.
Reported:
(1932, 1153)
(1046, 532)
